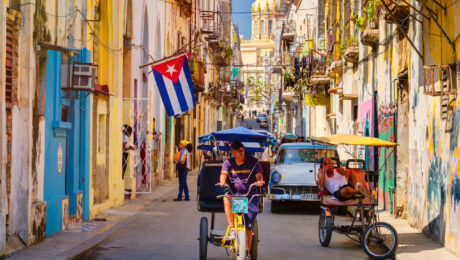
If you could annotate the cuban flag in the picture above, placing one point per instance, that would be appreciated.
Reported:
(175, 85)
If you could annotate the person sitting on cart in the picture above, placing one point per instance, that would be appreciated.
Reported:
(240, 168)
(342, 183)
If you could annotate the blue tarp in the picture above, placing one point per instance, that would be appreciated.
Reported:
(236, 134)
(227, 148)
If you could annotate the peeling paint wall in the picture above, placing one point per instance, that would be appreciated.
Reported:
(433, 144)
(3, 206)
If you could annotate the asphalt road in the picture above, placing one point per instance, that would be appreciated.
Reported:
(251, 123)
(169, 230)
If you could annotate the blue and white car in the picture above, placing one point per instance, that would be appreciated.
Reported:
(294, 174)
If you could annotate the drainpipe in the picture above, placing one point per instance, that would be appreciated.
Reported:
(376, 122)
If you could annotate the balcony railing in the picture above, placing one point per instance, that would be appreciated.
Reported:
(187, 5)
(395, 10)
(197, 70)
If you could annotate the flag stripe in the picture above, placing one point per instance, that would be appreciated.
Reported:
(163, 93)
(172, 95)
(180, 95)
(188, 76)
(186, 89)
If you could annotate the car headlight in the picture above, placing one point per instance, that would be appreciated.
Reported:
(276, 177)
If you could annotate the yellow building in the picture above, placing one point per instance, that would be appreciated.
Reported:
(258, 55)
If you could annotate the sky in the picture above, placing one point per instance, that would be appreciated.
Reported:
(243, 20)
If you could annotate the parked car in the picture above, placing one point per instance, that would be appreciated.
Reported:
(262, 120)
(261, 117)
(294, 175)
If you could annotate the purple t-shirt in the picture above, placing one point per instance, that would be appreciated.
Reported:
(241, 173)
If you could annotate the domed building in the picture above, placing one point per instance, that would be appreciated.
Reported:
(258, 53)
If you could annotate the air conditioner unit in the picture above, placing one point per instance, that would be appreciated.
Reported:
(82, 77)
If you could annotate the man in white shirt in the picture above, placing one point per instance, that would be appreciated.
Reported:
(339, 181)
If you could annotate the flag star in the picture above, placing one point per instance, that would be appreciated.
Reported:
(171, 70)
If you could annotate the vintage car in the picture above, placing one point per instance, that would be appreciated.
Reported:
(294, 174)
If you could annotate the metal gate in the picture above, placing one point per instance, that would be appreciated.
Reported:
(136, 113)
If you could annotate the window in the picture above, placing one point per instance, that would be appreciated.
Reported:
(301, 155)
(262, 27)
(270, 26)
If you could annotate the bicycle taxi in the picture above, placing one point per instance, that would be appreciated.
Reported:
(378, 239)
(210, 195)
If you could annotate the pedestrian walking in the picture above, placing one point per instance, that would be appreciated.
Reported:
(183, 165)
(127, 131)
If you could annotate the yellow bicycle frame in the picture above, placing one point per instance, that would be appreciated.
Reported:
(239, 226)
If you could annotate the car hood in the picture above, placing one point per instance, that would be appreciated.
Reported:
(297, 173)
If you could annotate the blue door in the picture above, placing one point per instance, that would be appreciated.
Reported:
(55, 145)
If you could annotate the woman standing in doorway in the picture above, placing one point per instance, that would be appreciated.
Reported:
(127, 131)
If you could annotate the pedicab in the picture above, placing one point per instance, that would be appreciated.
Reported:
(210, 194)
(378, 239)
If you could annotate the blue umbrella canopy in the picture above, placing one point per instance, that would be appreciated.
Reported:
(236, 134)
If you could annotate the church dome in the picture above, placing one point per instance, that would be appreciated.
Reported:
(264, 5)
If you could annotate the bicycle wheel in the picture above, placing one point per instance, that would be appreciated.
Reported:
(380, 240)
(241, 244)
(255, 241)
(324, 229)
(203, 238)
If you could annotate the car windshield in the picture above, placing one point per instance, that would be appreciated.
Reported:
(306, 155)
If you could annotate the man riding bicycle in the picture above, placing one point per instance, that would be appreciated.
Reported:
(244, 170)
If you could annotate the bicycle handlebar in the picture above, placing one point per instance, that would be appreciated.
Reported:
(243, 195)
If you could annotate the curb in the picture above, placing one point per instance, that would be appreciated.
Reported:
(82, 248)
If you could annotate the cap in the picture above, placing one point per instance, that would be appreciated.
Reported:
(236, 145)
(184, 142)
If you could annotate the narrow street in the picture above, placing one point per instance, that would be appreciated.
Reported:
(169, 230)
(165, 229)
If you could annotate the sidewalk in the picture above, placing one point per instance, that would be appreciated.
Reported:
(84, 236)
(413, 244)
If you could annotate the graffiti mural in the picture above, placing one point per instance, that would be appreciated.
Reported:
(386, 119)
(366, 117)
(454, 189)
(436, 186)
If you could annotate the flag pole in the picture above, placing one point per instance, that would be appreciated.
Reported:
(161, 60)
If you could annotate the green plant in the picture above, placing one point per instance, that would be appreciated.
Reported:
(228, 52)
(360, 23)
(353, 17)
(371, 11)
(342, 47)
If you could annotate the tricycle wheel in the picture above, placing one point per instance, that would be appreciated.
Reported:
(255, 241)
(241, 245)
(203, 238)
(324, 229)
(275, 206)
(380, 240)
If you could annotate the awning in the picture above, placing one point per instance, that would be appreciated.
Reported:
(353, 140)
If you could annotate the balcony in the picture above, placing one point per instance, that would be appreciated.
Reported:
(186, 5)
(336, 68)
(318, 80)
(351, 54)
(289, 31)
(318, 75)
(397, 10)
(370, 37)
(197, 70)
